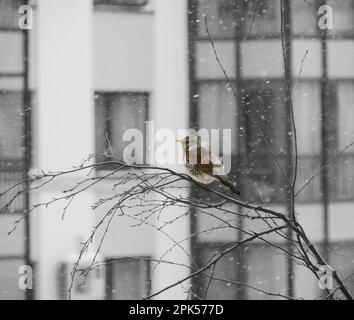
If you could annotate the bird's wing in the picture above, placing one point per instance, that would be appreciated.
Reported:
(206, 161)
(218, 166)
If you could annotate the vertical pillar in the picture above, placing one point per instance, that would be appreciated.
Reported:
(26, 143)
(325, 141)
(64, 129)
(170, 110)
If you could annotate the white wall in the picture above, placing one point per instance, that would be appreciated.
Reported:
(80, 50)
(170, 110)
(64, 128)
(123, 239)
(123, 51)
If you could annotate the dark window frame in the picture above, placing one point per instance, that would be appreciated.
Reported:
(108, 96)
(122, 3)
(109, 272)
(244, 34)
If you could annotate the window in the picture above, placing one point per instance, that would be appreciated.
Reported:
(263, 267)
(227, 10)
(346, 114)
(225, 269)
(9, 279)
(304, 17)
(127, 278)
(221, 16)
(264, 103)
(227, 18)
(114, 114)
(10, 125)
(218, 109)
(343, 17)
(261, 17)
(206, 65)
(307, 112)
(11, 151)
(307, 109)
(259, 107)
(268, 64)
(342, 170)
(11, 44)
(9, 13)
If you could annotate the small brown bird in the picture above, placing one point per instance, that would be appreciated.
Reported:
(202, 165)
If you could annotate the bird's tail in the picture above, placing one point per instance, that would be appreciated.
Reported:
(227, 182)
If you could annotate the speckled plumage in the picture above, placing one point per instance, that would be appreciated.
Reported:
(202, 165)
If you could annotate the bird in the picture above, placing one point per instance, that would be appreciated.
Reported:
(202, 165)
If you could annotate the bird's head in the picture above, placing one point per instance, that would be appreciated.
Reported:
(188, 141)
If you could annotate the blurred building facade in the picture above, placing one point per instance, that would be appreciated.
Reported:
(97, 68)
